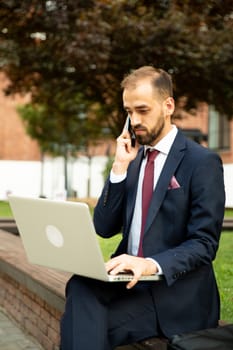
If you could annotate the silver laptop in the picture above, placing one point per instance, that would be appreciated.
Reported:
(61, 235)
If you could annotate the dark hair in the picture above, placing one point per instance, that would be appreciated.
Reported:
(161, 80)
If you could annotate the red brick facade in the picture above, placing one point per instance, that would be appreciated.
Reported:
(200, 121)
(15, 144)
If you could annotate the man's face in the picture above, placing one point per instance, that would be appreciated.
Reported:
(148, 113)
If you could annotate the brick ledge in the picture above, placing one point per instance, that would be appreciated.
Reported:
(13, 260)
(32, 295)
(50, 296)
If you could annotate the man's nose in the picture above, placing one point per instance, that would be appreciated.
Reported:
(135, 119)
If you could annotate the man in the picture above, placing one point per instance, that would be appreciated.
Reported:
(179, 239)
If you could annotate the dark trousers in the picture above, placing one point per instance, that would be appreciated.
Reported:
(102, 315)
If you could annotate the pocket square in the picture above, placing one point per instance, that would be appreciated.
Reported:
(173, 184)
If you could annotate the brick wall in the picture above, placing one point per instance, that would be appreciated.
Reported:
(15, 144)
(32, 313)
(200, 120)
(32, 295)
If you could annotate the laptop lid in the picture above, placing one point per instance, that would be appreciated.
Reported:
(61, 235)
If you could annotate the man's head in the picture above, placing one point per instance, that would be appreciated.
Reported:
(147, 98)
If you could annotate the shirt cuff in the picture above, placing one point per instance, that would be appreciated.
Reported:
(114, 178)
(160, 271)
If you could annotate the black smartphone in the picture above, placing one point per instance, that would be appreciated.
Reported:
(130, 130)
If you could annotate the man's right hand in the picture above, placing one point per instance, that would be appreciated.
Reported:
(125, 153)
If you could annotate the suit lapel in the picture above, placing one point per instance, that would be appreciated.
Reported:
(174, 158)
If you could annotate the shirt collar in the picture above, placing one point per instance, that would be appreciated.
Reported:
(165, 143)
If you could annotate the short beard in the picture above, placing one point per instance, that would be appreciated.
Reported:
(150, 137)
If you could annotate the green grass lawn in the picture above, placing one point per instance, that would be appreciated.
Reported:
(229, 213)
(222, 264)
(5, 210)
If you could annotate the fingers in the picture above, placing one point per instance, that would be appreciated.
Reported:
(124, 140)
(126, 263)
(132, 283)
(115, 266)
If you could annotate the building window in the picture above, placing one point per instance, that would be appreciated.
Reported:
(195, 135)
(219, 131)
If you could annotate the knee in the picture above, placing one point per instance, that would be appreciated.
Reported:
(77, 285)
(73, 285)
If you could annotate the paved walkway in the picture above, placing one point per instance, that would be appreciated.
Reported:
(12, 337)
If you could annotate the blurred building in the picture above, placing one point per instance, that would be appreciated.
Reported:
(21, 169)
(208, 127)
(15, 144)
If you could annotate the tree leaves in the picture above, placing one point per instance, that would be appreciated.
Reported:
(60, 50)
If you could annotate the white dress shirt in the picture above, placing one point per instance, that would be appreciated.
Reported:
(163, 146)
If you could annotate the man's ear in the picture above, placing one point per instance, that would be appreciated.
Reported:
(169, 106)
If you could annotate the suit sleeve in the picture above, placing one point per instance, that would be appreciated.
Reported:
(109, 211)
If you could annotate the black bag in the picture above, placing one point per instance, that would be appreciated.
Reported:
(220, 338)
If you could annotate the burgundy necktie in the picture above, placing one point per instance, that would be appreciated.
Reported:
(147, 190)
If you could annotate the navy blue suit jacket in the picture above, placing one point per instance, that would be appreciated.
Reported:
(182, 232)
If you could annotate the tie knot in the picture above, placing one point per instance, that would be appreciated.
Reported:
(151, 154)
